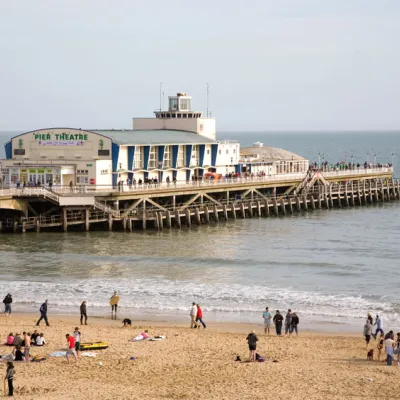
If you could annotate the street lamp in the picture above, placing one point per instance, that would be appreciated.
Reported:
(319, 160)
(374, 159)
(368, 157)
(352, 156)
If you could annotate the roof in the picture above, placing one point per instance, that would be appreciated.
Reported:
(153, 137)
(269, 153)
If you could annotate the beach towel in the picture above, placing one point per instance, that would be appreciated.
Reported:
(6, 357)
(58, 354)
(86, 354)
(137, 338)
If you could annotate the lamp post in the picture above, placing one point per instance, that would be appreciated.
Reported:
(392, 160)
(374, 159)
(368, 157)
(352, 156)
(319, 160)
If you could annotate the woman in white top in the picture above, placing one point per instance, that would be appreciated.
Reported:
(40, 340)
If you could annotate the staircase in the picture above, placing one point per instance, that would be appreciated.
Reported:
(309, 181)
(105, 208)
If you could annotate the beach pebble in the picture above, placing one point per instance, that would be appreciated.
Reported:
(100, 364)
(369, 379)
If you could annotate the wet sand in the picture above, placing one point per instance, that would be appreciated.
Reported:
(197, 364)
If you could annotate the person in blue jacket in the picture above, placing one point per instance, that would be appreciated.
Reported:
(43, 314)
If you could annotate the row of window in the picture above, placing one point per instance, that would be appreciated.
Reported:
(82, 172)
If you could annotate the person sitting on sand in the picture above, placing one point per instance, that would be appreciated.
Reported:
(40, 341)
(127, 322)
(17, 340)
(18, 354)
(34, 336)
(9, 340)
(252, 340)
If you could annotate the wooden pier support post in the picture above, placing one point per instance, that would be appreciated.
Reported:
(352, 199)
(125, 223)
(178, 219)
(290, 202)
(65, 221)
(326, 201)
(155, 219)
(319, 201)
(312, 201)
(225, 211)
(130, 225)
(242, 209)
(168, 219)
(160, 220)
(206, 214)
(144, 215)
(87, 223)
(298, 204)
(15, 226)
(259, 213)
(305, 205)
(38, 225)
(266, 207)
(233, 211)
(275, 204)
(359, 198)
(110, 222)
(283, 208)
(339, 200)
(215, 209)
(187, 215)
(197, 214)
(250, 209)
(23, 226)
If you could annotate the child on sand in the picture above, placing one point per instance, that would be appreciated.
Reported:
(71, 347)
(252, 340)
(10, 340)
(77, 338)
(380, 346)
(10, 378)
(18, 354)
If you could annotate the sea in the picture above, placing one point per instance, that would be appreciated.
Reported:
(332, 267)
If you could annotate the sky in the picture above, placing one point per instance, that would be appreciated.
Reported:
(270, 64)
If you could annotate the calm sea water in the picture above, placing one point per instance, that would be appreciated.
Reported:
(330, 266)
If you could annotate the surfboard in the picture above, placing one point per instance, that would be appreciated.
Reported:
(114, 300)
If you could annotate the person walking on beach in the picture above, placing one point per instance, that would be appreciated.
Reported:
(193, 315)
(288, 321)
(27, 349)
(367, 332)
(277, 320)
(83, 312)
(267, 316)
(389, 343)
(294, 325)
(43, 314)
(77, 338)
(7, 304)
(114, 299)
(10, 378)
(252, 340)
(369, 318)
(71, 347)
(379, 346)
(199, 317)
(379, 326)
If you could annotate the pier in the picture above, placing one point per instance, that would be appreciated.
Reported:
(185, 204)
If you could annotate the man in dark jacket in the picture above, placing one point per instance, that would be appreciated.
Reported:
(43, 314)
(278, 318)
(7, 304)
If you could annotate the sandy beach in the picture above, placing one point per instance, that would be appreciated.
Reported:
(198, 364)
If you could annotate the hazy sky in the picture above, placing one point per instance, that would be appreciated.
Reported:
(271, 64)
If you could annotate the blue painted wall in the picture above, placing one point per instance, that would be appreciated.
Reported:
(146, 153)
(114, 158)
(214, 152)
(175, 149)
(131, 157)
(188, 154)
(8, 149)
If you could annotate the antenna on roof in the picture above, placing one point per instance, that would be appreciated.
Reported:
(208, 95)
(161, 91)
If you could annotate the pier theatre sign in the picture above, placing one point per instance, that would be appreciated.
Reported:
(61, 139)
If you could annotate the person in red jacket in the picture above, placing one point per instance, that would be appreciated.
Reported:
(199, 316)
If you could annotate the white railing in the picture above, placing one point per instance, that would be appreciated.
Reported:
(107, 209)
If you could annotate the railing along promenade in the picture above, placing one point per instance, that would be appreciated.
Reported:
(99, 190)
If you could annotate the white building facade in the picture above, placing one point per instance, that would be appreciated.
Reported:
(178, 143)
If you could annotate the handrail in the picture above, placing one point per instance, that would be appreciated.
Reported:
(103, 207)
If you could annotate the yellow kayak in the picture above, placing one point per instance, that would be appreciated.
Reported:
(94, 346)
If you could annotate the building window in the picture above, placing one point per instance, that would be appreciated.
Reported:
(227, 151)
(173, 104)
(184, 105)
(181, 156)
(234, 151)
(138, 157)
(167, 157)
(219, 152)
(153, 157)
(104, 172)
(208, 151)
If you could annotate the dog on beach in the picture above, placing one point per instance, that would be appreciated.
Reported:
(370, 355)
